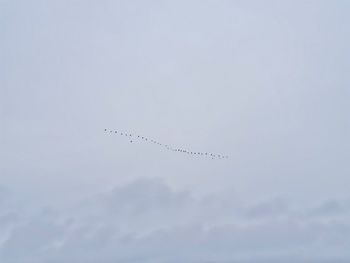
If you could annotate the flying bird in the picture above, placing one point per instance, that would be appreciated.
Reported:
(170, 148)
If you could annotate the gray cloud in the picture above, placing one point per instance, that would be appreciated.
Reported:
(274, 207)
(147, 221)
(266, 83)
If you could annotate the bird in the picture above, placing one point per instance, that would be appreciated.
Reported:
(168, 147)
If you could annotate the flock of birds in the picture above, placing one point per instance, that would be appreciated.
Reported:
(134, 138)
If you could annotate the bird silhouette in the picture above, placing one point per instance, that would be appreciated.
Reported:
(169, 147)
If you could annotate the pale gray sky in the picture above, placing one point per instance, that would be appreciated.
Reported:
(265, 82)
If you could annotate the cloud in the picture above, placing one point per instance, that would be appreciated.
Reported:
(141, 204)
(264, 82)
(147, 221)
(271, 208)
(332, 208)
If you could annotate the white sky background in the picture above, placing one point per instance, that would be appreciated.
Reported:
(266, 83)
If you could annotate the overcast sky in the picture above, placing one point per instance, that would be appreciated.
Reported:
(265, 82)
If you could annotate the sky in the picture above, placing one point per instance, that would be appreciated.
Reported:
(264, 82)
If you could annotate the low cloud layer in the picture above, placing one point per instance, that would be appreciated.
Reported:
(148, 221)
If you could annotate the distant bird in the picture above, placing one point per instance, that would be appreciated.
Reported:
(168, 147)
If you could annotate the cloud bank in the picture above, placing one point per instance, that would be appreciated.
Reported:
(148, 221)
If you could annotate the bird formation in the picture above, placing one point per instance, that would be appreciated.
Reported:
(133, 138)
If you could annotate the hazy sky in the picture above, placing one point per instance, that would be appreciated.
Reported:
(265, 82)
